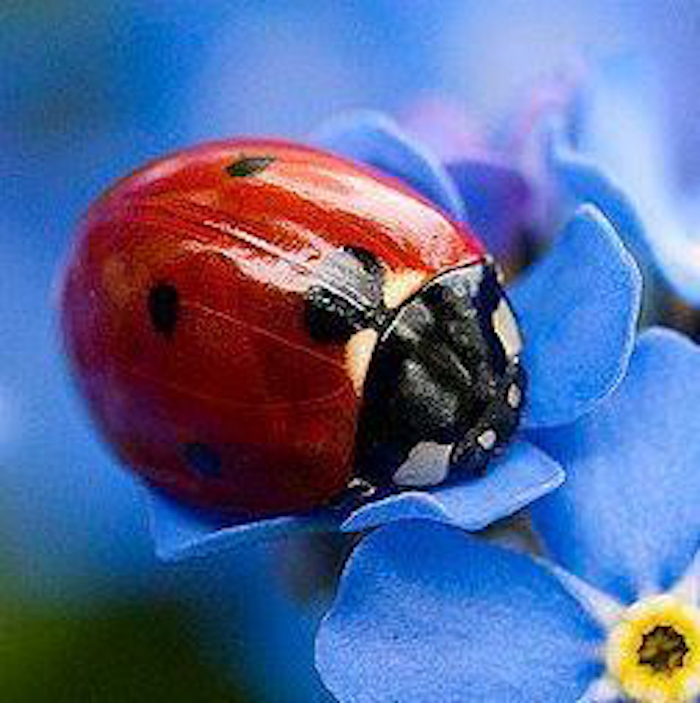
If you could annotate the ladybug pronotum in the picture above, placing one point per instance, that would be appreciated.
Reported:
(258, 326)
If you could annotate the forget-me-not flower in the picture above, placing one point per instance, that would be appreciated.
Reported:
(427, 613)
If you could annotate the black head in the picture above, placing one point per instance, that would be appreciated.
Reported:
(444, 388)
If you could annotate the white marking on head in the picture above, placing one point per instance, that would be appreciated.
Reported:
(428, 464)
(401, 285)
(506, 327)
(514, 397)
(358, 355)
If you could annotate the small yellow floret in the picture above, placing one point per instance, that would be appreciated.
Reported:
(654, 652)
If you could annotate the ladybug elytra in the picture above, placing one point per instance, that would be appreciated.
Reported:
(258, 325)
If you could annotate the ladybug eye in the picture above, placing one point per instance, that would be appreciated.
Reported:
(248, 166)
(164, 308)
(347, 296)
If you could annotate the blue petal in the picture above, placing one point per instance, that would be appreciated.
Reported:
(624, 135)
(624, 131)
(497, 199)
(426, 613)
(513, 481)
(376, 140)
(628, 517)
(181, 533)
(583, 179)
(578, 309)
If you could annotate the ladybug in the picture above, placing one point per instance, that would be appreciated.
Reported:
(260, 327)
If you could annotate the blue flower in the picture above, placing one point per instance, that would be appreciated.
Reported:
(429, 613)
(577, 309)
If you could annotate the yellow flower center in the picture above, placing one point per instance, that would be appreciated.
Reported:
(654, 651)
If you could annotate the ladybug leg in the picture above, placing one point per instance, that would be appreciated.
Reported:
(358, 492)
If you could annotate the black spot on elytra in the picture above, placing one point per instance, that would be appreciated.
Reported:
(249, 166)
(202, 459)
(164, 308)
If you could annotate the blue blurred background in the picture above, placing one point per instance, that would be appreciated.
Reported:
(88, 91)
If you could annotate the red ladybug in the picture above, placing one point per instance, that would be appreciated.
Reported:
(258, 326)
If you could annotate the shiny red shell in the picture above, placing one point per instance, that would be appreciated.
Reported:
(221, 397)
